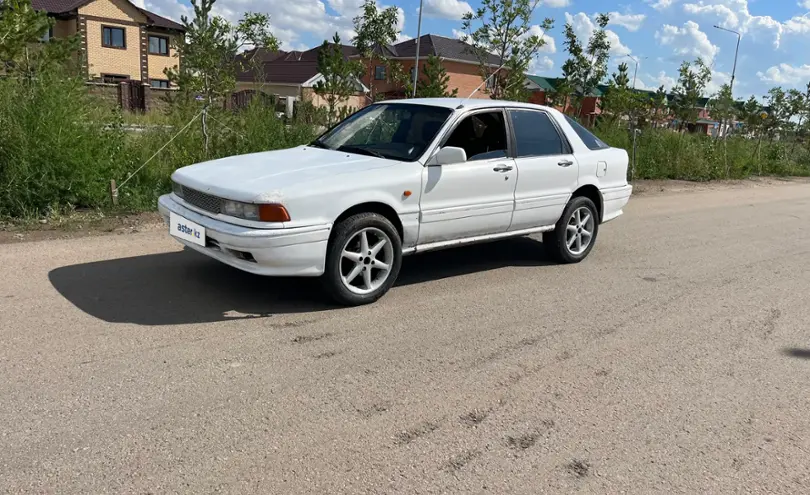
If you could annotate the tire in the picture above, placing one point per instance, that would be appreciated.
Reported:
(354, 282)
(558, 242)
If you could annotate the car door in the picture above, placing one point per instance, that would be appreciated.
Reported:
(548, 172)
(474, 197)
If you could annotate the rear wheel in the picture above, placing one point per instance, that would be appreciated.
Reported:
(575, 233)
(363, 259)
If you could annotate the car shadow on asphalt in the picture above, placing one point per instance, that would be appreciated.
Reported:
(184, 287)
(797, 353)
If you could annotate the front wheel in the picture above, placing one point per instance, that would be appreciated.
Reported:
(363, 259)
(575, 233)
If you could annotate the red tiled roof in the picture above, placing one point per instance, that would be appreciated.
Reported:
(70, 6)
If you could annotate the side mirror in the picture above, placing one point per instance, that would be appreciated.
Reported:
(448, 155)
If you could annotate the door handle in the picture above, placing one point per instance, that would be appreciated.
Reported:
(503, 168)
(565, 163)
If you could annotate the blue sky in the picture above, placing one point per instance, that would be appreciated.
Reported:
(660, 33)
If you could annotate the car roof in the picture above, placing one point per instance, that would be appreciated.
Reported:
(454, 103)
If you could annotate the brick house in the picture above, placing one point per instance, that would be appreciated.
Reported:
(543, 90)
(291, 74)
(119, 41)
(457, 58)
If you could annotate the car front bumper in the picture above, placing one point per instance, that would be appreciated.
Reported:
(299, 251)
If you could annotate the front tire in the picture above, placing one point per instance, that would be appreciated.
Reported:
(363, 259)
(575, 233)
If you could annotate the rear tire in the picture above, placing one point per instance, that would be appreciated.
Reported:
(362, 260)
(575, 233)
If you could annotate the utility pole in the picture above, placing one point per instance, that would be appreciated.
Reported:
(736, 52)
(416, 59)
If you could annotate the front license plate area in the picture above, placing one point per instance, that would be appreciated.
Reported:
(186, 230)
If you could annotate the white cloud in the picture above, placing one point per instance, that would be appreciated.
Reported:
(557, 3)
(459, 34)
(661, 4)
(663, 79)
(805, 4)
(688, 40)
(446, 9)
(734, 14)
(550, 46)
(785, 74)
(584, 27)
(631, 22)
(718, 79)
(541, 64)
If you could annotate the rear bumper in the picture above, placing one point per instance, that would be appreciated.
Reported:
(614, 200)
(299, 251)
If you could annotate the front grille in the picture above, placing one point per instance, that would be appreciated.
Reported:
(201, 200)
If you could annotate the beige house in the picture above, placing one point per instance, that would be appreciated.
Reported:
(120, 41)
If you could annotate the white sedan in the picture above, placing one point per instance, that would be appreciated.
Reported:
(397, 178)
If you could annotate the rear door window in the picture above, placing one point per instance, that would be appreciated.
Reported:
(536, 135)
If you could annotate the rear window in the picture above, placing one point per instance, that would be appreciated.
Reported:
(587, 137)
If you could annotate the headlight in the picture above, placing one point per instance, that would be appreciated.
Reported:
(177, 189)
(248, 211)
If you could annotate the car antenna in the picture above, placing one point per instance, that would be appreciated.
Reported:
(461, 105)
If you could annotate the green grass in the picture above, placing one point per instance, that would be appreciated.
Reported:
(59, 148)
(665, 154)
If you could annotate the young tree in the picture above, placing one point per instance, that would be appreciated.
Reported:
(658, 105)
(503, 33)
(375, 30)
(209, 48)
(433, 80)
(587, 66)
(619, 99)
(799, 104)
(724, 108)
(339, 76)
(21, 29)
(778, 117)
(692, 82)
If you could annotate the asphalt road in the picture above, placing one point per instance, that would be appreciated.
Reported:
(675, 359)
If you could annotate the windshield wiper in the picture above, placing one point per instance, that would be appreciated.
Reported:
(363, 151)
(319, 144)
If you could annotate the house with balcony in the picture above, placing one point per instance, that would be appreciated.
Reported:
(120, 41)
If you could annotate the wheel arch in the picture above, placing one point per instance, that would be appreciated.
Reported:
(591, 192)
(378, 207)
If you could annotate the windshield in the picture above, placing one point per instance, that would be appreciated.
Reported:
(399, 131)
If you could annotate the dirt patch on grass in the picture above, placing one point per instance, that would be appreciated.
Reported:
(653, 187)
(78, 224)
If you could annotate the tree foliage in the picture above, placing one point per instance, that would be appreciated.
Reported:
(208, 49)
(433, 80)
(586, 66)
(692, 81)
(620, 100)
(339, 76)
(723, 107)
(22, 50)
(375, 30)
(503, 28)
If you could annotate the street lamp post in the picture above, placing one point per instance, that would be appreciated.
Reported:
(736, 52)
(635, 72)
(418, 39)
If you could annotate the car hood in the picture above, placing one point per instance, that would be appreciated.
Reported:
(264, 176)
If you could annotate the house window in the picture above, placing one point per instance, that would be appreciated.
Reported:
(379, 73)
(158, 45)
(159, 83)
(48, 35)
(413, 72)
(113, 37)
(113, 78)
